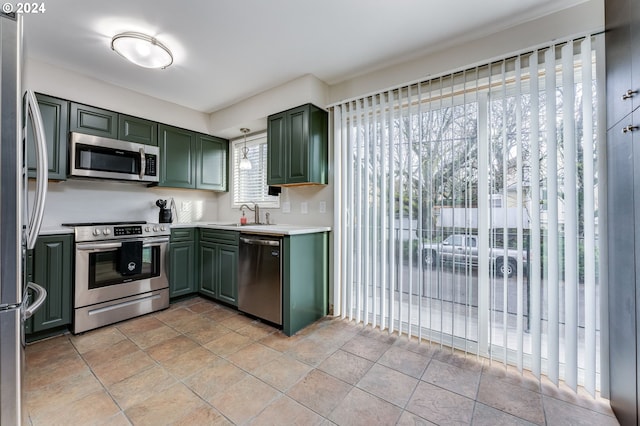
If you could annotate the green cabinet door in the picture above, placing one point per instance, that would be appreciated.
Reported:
(228, 274)
(276, 143)
(93, 121)
(212, 157)
(52, 262)
(297, 154)
(138, 130)
(182, 265)
(55, 118)
(218, 256)
(297, 141)
(208, 269)
(305, 280)
(177, 157)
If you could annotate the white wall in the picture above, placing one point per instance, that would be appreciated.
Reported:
(583, 18)
(51, 80)
(252, 113)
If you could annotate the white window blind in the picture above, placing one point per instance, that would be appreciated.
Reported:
(468, 210)
(250, 186)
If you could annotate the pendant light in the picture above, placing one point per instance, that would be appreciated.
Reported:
(245, 163)
(142, 50)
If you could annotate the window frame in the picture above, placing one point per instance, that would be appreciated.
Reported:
(257, 139)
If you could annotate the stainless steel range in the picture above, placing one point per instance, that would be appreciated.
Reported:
(119, 272)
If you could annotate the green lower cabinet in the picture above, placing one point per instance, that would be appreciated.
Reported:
(50, 265)
(228, 278)
(305, 280)
(208, 268)
(219, 272)
(182, 267)
(218, 259)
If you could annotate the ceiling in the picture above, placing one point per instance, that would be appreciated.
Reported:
(226, 51)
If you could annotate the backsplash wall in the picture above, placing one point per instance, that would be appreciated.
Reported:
(77, 200)
(312, 195)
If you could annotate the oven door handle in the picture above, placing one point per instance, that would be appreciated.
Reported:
(109, 246)
(97, 246)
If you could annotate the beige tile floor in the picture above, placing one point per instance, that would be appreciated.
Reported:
(199, 363)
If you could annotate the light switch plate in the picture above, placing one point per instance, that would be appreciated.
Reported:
(322, 206)
(304, 208)
(286, 207)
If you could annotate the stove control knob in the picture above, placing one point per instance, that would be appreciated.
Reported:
(163, 228)
(155, 228)
(96, 232)
(147, 229)
(106, 231)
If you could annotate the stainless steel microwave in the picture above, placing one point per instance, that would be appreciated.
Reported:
(98, 157)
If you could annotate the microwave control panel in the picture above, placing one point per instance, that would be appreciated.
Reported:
(150, 165)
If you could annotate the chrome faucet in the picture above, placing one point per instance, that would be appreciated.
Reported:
(255, 209)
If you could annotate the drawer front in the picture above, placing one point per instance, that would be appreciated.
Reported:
(220, 236)
(183, 234)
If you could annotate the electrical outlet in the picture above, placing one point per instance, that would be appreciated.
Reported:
(304, 208)
(322, 206)
(185, 206)
(286, 207)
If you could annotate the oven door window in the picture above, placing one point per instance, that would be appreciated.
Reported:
(103, 267)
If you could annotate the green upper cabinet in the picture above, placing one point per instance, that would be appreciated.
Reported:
(297, 146)
(192, 160)
(138, 130)
(55, 117)
(177, 157)
(276, 137)
(93, 121)
(212, 154)
(101, 122)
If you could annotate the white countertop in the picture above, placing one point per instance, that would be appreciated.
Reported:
(55, 230)
(251, 229)
(277, 229)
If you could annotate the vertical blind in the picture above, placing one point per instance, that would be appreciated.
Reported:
(250, 186)
(468, 211)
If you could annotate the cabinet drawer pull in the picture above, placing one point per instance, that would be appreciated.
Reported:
(629, 94)
(629, 128)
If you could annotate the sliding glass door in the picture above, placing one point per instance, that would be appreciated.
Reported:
(468, 210)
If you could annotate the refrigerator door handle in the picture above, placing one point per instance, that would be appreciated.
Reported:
(42, 168)
(41, 295)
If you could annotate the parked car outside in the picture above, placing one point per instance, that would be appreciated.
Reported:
(463, 249)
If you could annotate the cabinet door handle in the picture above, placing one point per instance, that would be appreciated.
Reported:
(628, 94)
(629, 128)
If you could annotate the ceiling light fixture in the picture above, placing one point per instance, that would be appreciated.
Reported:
(142, 50)
(245, 163)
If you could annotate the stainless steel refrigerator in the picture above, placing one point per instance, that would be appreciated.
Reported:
(19, 224)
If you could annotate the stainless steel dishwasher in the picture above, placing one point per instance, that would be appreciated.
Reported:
(260, 277)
